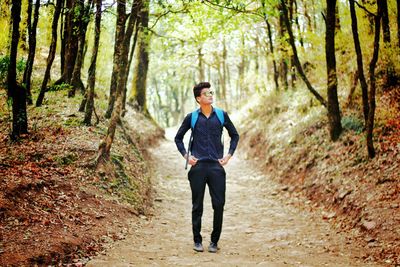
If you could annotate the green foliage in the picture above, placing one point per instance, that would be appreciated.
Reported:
(66, 159)
(60, 87)
(73, 122)
(5, 63)
(352, 123)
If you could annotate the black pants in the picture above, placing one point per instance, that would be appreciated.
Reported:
(212, 174)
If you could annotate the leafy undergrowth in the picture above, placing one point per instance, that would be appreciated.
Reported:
(54, 207)
(358, 196)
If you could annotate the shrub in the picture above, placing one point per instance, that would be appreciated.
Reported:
(60, 87)
(5, 62)
(353, 123)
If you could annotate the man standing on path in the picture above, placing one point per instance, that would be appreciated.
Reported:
(206, 160)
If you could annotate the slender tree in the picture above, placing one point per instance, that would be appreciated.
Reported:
(390, 75)
(201, 64)
(241, 86)
(138, 90)
(76, 80)
(32, 48)
(119, 37)
(310, 27)
(72, 27)
(353, 87)
(271, 49)
(283, 68)
(123, 76)
(296, 58)
(63, 36)
(52, 52)
(132, 52)
(16, 92)
(92, 68)
(398, 22)
(372, 81)
(296, 19)
(223, 72)
(105, 145)
(360, 65)
(385, 21)
(335, 126)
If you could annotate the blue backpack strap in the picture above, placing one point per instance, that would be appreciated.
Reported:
(220, 115)
(195, 116)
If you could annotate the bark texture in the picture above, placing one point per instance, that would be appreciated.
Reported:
(335, 126)
(16, 92)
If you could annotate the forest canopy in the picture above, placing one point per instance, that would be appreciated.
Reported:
(151, 53)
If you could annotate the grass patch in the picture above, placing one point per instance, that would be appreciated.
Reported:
(66, 159)
(123, 184)
(353, 123)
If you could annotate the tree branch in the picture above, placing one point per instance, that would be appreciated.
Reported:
(167, 37)
(159, 16)
(365, 9)
(236, 9)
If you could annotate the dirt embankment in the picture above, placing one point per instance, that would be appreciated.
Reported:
(54, 207)
(359, 196)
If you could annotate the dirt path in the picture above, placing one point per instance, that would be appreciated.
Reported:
(260, 227)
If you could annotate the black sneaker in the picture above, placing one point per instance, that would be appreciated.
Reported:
(198, 247)
(213, 247)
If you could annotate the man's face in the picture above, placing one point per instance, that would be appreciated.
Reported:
(206, 96)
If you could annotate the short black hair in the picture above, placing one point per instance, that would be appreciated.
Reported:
(200, 86)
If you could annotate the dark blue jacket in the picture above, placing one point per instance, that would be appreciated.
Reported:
(207, 145)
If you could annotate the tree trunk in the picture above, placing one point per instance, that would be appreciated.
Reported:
(224, 73)
(28, 35)
(370, 17)
(292, 73)
(308, 17)
(132, 52)
(337, 18)
(385, 22)
(360, 65)
(32, 48)
(241, 87)
(16, 92)
(271, 49)
(76, 80)
(105, 146)
(391, 77)
(133, 47)
(92, 68)
(292, 70)
(372, 90)
(296, 58)
(71, 33)
(28, 21)
(298, 24)
(119, 38)
(219, 93)
(283, 69)
(335, 126)
(355, 77)
(62, 35)
(134, 23)
(398, 22)
(201, 66)
(52, 53)
(138, 91)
